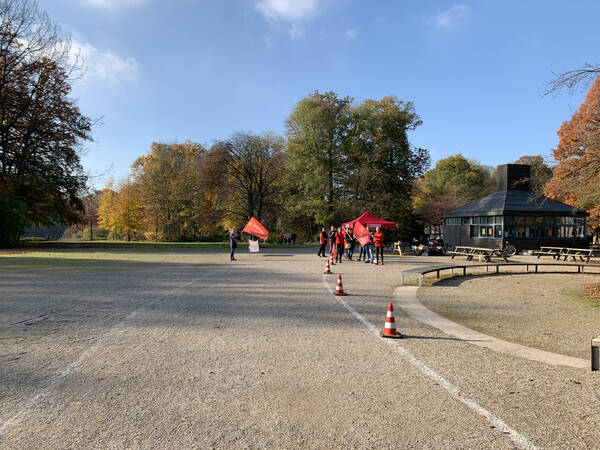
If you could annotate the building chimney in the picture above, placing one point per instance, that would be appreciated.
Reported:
(514, 177)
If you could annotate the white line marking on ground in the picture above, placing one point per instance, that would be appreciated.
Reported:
(62, 376)
(516, 437)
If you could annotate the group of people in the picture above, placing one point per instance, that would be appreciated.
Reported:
(291, 240)
(343, 242)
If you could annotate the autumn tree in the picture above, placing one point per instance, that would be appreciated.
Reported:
(576, 177)
(41, 130)
(121, 211)
(170, 181)
(106, 209)
(249, 168)
(453, 182)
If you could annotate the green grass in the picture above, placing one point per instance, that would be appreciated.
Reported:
(577, 297)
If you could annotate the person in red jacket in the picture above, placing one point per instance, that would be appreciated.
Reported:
(322, 242)
(339, 244)
(378, 241)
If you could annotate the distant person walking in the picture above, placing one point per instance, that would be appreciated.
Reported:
(233, 241)
(378, 241)
(294, 237)
(322, 242)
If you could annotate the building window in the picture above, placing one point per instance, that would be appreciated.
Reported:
(498, 229)
(473, 231)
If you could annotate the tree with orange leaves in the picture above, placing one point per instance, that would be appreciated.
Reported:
(576, 179)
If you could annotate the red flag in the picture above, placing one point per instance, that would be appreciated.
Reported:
(255, 228)
(361, 233)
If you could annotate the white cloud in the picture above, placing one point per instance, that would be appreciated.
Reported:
(290, 10)
(453, 17)
(351, 33)
(112, 4)
(104, 66)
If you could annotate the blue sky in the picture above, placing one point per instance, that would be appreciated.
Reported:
(171, 70)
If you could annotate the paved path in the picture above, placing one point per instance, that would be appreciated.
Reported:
(187, 350)
(406, 297)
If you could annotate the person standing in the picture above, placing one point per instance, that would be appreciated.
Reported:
(322, 242)
(362, 252)
(349, 244)
(294, 237)
(378, 241)
(331, 240)
(339, 244)
(233, 240)
(369, 248)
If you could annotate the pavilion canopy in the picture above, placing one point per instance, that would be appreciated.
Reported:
(369, 220)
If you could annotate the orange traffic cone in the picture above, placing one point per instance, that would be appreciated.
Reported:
(331, 261)
(327, 268)
(339, 288)
(389, 331)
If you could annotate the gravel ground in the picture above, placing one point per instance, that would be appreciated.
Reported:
(187, 350)
(545, 311)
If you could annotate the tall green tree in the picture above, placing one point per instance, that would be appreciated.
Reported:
(345, 158)
(384, 166)
(318, 144)
(42, 129)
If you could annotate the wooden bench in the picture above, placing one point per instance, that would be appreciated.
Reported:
(555, 252)
(471, 252)
(584, 254)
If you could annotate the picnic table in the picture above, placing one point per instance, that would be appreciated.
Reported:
(480, 252)
(555, 252)
(584, 254)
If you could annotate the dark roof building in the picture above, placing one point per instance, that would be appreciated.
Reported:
(516, 215)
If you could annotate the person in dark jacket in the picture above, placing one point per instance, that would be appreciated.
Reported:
(331, 240)
(322, 242)
(294, 237)
(233, 240)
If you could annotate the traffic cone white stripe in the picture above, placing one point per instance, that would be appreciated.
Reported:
(389, 329)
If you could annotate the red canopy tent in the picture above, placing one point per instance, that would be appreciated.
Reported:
(369, 220)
